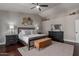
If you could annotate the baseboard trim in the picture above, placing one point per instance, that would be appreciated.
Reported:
(71, 42)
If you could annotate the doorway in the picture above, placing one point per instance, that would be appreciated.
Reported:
(77, 30)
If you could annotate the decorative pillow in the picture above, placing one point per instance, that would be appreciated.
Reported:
(23, 32)
(33, 32)
(27, 32)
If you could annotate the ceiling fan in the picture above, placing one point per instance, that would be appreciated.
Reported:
(37, 5)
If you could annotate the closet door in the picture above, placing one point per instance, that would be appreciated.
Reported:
(77, 30)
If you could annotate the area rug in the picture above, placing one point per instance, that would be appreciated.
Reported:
(56, 49)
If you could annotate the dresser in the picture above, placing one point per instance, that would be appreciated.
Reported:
(56, 35)
(11, 39)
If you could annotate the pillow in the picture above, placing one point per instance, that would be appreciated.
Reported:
(27, 32)
(33, 32)
(22, 32)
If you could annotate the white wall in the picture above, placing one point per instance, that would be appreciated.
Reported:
(60, 15)
(68, 23)
(16, 18)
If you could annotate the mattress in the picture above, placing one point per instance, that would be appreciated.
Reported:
(26, 38)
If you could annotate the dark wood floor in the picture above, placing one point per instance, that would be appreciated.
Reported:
(12, 50)
(76, 49)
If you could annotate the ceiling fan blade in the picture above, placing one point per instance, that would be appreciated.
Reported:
(39, 9)
(33, 7)
(43, 5)
(37, 4)
(34, 3)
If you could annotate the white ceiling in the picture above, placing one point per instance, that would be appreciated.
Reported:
(60, 10)
(24, 7)
(53, 9)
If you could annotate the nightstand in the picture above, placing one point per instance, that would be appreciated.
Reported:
(11, 39)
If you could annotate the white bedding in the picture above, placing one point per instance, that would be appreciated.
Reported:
(25, 38)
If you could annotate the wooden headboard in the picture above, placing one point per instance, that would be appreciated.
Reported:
(24, 28)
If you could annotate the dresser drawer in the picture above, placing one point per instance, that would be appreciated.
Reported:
(57, 35)
(11, 39)
(11, 36)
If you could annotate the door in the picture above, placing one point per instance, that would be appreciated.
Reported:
(77, 30)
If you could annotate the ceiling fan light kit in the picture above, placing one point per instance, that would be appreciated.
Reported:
(38, 6)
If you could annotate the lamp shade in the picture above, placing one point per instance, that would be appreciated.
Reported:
(36, 27)
(11, 26)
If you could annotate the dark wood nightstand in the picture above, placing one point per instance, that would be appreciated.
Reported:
(11, 39)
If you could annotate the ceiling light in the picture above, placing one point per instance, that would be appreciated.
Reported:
(37, 6)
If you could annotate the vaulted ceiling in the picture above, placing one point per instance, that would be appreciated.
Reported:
(53, 9)
(61, 10)
(24, 7)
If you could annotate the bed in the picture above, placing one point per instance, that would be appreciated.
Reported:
(27, 35)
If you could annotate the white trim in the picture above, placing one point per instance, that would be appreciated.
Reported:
(75, 31)
(69, 40)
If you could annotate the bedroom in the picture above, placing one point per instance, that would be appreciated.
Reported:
(14, 16)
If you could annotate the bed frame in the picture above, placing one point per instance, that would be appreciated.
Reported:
(30, 39)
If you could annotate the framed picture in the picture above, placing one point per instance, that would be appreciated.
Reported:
(27, 21)
(57, 27)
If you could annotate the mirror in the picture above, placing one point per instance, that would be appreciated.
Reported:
(57, 26)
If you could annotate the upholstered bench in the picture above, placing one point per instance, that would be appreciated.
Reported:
(41, 43)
